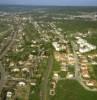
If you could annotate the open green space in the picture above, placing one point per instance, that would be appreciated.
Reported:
(72, 90)
(62, 74)
(93, 72)
(77, 25)
(71, 68)
(3, 26)
(56, 65)
(92, 38)
(31, 32)
(34, 92)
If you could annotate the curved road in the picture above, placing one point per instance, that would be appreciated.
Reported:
(77, 70)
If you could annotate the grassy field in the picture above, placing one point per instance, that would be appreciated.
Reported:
(94, 72)
(77, 25)
(56, 65)
(71, 90)
(92, 38)
(31, 31)
(34, 93)
(3, 26)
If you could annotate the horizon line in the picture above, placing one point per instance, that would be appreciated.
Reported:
(48, 5)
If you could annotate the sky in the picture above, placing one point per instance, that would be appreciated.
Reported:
(52, 2)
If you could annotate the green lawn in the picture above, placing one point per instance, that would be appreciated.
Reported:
(95, 70)
(71, 90)
(34, 93)
(56, 65)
